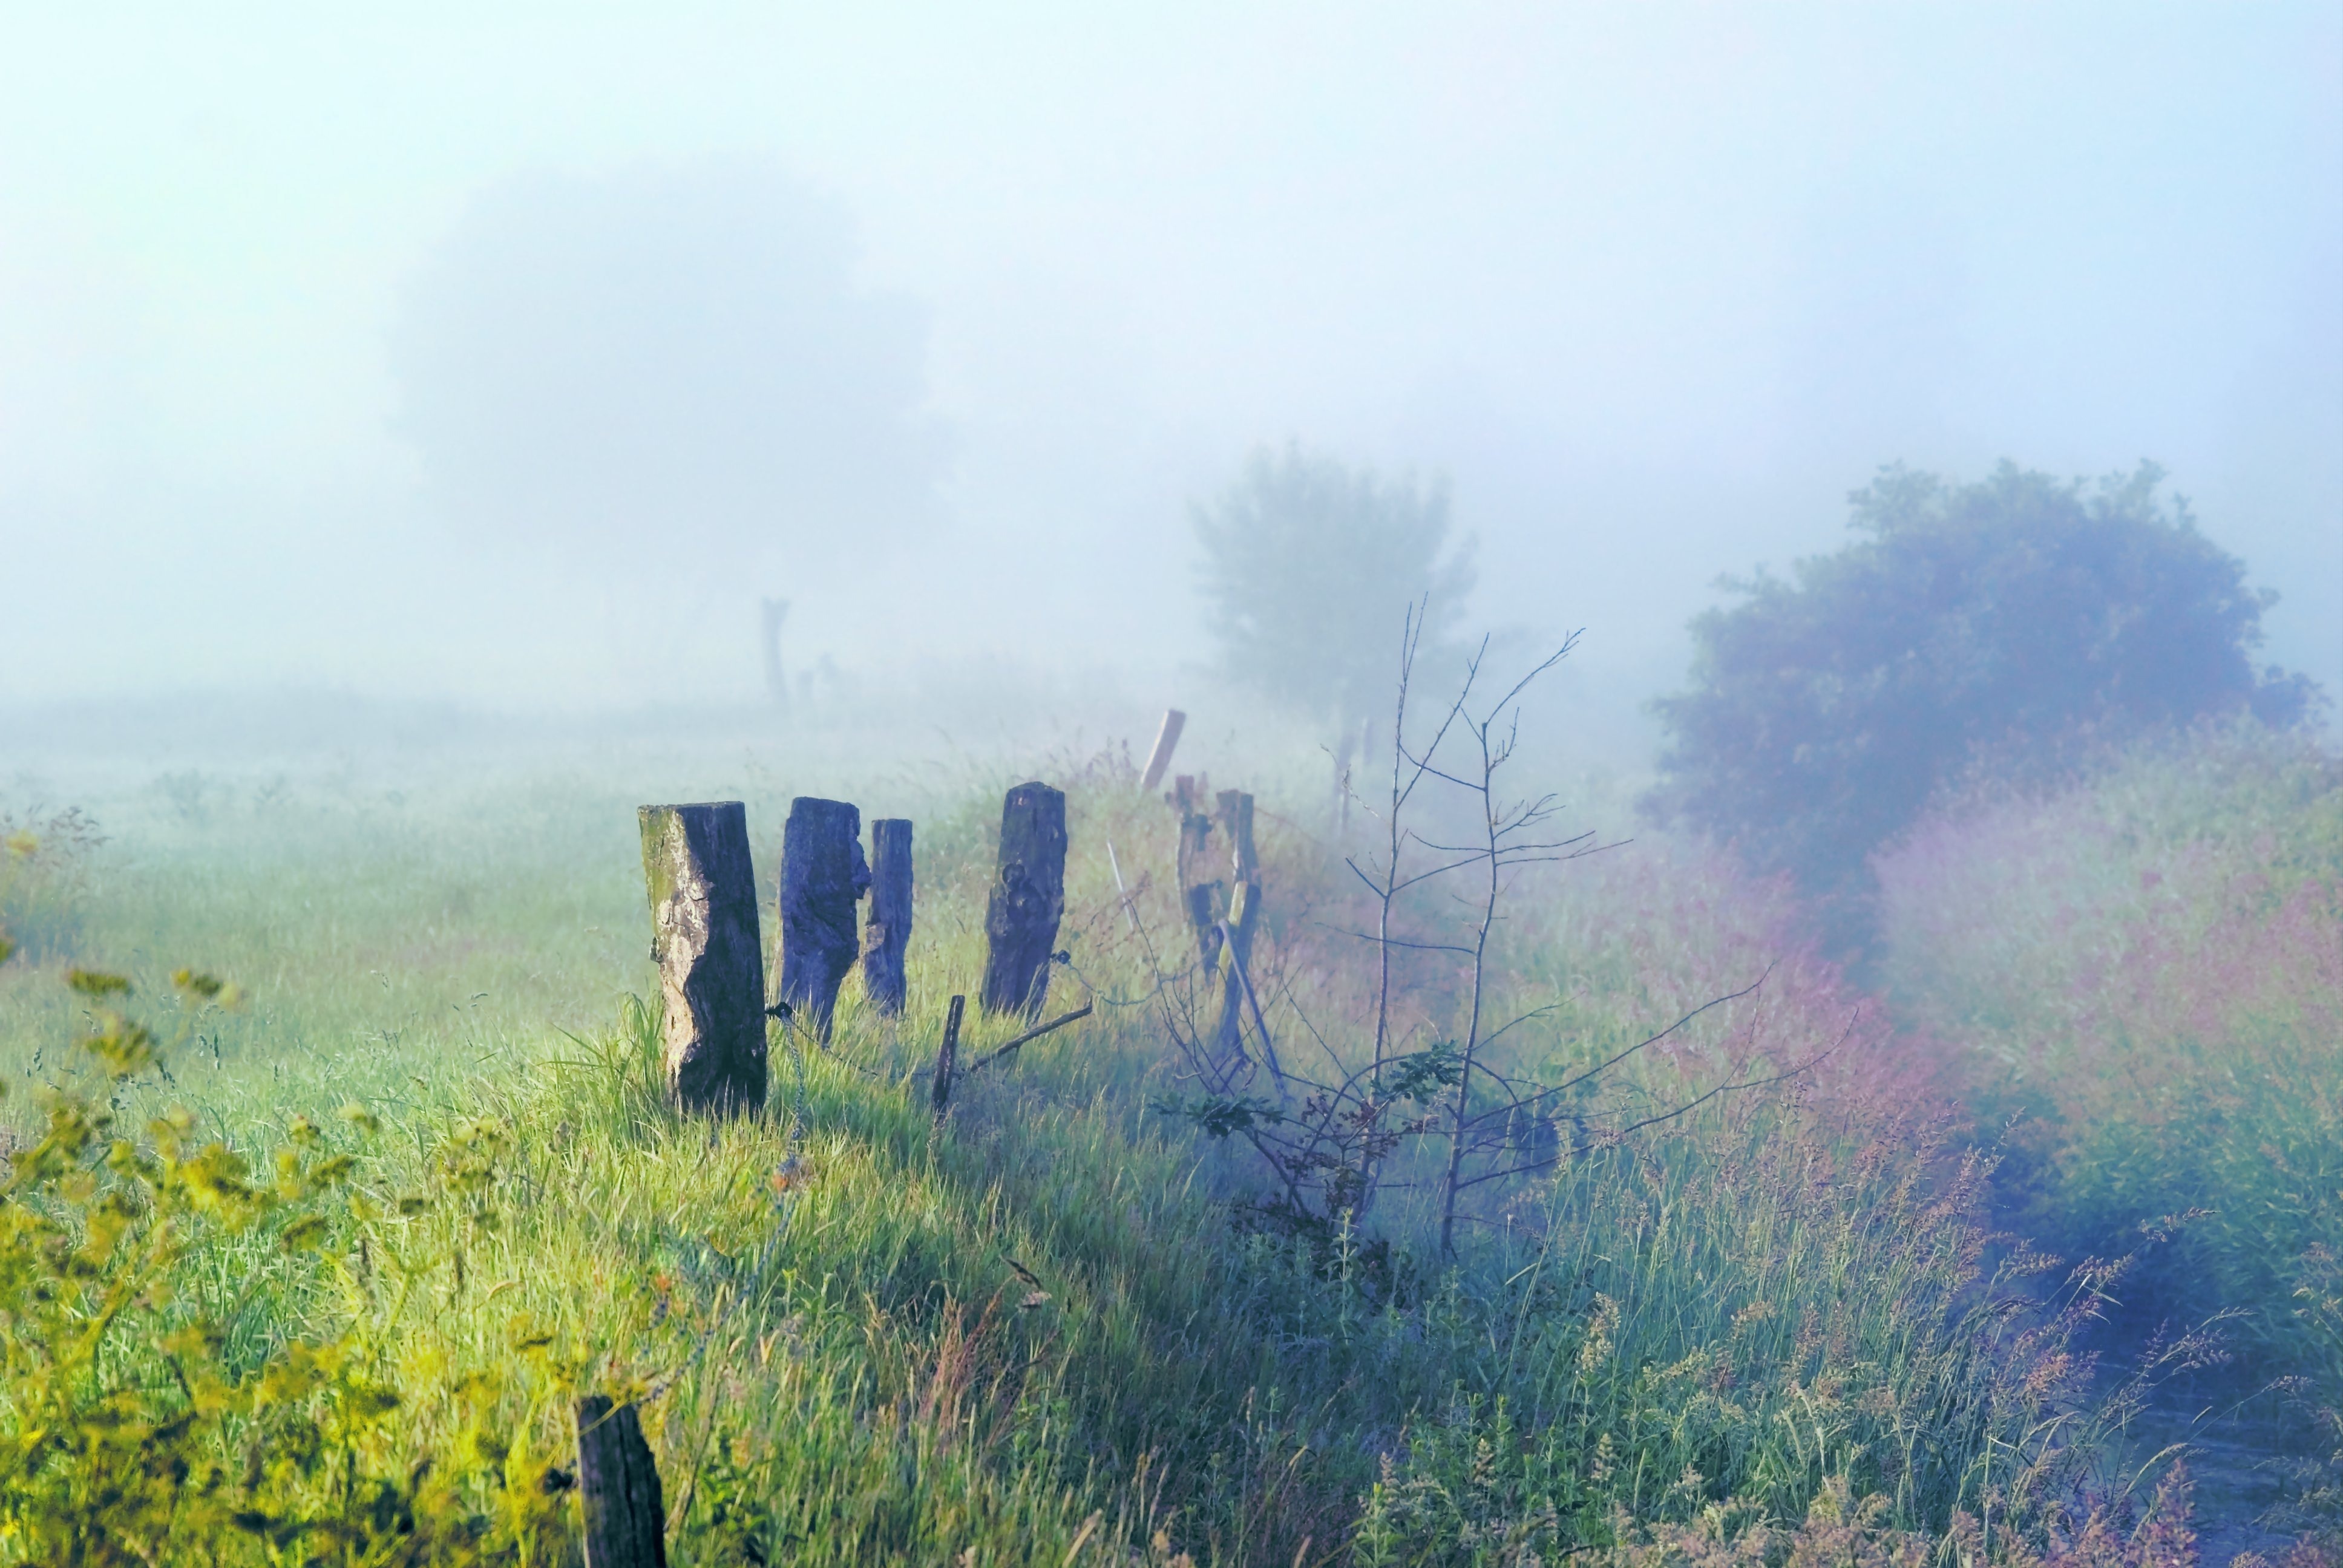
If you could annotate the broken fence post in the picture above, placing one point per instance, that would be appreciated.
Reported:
(823, 875)
(619, 1485)
(1160, 758)
(1199, 891)
(948, 1055)
(711, 954)
(888, 930)
(1029, 899)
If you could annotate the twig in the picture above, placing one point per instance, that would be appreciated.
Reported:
(1116, 867)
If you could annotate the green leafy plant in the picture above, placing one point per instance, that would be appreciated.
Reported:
(133, 1430)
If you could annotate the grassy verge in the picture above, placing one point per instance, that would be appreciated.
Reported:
(1772, 1323)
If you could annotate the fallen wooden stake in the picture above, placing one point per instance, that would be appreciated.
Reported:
(1028, 1037)
(1244, 979)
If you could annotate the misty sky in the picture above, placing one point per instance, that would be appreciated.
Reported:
(510, 353)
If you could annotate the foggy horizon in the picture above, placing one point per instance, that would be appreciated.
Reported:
(509, 364)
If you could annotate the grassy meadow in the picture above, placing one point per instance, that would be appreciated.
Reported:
(313, 1268)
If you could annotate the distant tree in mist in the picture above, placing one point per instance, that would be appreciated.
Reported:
(1308, 569)
(663, 354)
(2006, 623)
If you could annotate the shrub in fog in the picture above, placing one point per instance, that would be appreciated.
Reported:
(2004, 622)
(1308, 565)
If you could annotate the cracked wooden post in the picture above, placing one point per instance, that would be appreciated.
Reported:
(618, 1487)
(1235, 814)
(1160, 758)
(823, 875)
(1028, 898)
(888, 930)
(711, 954)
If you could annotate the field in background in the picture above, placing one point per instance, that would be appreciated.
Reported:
(1710, 1337)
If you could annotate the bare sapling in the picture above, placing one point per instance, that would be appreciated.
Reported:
(1328, 1140)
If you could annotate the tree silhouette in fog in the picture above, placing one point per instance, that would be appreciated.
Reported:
(1308, 568)
(666, 353)
(2006, 623)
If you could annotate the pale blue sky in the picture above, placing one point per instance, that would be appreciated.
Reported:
(1654, 286)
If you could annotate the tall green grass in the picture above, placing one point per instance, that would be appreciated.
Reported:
(2150, 966)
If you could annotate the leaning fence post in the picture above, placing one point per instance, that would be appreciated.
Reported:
(619, 1485)
(888, 930)
(823, 875)
(948, 1056)
(1028, 898)
(1160, 758)
(711, 954)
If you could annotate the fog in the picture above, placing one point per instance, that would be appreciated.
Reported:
(506, 357)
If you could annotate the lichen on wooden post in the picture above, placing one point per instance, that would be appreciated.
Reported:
(888, 928)
(1029, 899)
(711, 953)
(618, 1487)
(823, 875)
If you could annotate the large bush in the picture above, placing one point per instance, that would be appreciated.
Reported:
(2010, 621)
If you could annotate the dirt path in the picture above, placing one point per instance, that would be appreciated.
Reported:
(2232, 1462)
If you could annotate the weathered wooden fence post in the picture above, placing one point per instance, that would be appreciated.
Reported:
(1235, 815)
(1028, 898)
(1166, 738)
(823, 875)
(619, 1485)
(888, 930)
(711, 954)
